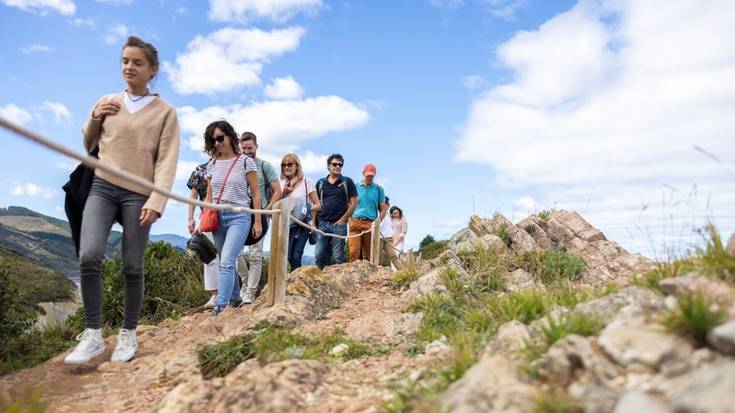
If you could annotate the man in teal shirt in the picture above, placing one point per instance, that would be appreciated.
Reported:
(371, 206)
(270, 193)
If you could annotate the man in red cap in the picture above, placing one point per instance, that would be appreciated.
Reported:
(370, 206)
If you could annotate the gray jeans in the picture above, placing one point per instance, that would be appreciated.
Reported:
(103, 203)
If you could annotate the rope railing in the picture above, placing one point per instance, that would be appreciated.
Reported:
(327, 234)
(95, 163)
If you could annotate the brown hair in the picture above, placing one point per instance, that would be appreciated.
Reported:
(227, 129)
(295, 159)
(151, 54)
(249, 136)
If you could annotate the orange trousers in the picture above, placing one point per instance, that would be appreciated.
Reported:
(359, 246)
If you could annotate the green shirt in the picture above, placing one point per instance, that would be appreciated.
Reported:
(270, 172)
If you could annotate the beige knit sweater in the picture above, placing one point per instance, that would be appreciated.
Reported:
(145, 143)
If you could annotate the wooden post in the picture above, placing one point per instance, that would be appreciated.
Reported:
(375, 243)
(278, 261)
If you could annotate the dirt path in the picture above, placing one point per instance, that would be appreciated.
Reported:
(167, 357)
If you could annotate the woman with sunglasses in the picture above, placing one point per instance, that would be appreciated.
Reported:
(138, 132)
(301, 189)
(231, 178)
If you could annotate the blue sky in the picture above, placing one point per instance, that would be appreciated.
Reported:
(477, 105)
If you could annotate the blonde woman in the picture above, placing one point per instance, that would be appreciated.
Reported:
(138, 132)
(301, 189)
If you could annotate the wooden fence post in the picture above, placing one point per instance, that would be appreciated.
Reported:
(278, 260)
(375, 243)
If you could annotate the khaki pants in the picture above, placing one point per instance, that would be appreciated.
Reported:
(359, 246)
(387, 248)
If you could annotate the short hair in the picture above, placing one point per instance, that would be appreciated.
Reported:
(293, 157)
(227, 129)
(395, 208)
(387, 200)
(151, 54)
(333, 157)
(249, 136)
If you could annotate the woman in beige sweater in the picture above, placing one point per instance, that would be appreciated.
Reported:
(138, 132)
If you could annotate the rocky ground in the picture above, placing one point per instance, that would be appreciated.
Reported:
(631, 364)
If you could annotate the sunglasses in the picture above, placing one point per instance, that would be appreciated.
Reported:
(337, 165)
(287, 165)
(218, 138)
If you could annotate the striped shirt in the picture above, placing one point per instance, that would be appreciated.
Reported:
(236, 190)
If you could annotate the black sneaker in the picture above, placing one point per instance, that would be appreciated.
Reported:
(217, 309)
(237, 303)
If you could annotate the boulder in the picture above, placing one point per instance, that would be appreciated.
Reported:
(532, 227)
(709, 389)
(638, 401)
(494, 384)
(404, 324)
(510, 340)
(573, 357)
(520, 241)
(608, 307)
(722, 338)
(694, 283)
(519, 279)
(429, 283)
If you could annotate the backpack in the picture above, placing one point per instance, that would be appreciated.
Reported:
(266, 184)
(320, 188)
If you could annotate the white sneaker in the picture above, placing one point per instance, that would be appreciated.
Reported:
(210, 303)
(127, 344)
(91, 344)
(249, 297)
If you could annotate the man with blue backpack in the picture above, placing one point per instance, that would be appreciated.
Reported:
(370, 206)
(338, 198)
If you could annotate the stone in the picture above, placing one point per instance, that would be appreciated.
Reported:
(532, 227)
(404, 324)
(632, 341)
(470, 246)
(190, 397)
(694, 283)
(722, 338)
(638, 401)
(520, 241)
(577, 225)
(607, 307)
(339, 349)
(437, 347)
(573, 356)
(510, 340)
(495, 243)
(494, 384)
(520, 279)
(429, 283)
(730, 248)
(709, 389)
(462, 235)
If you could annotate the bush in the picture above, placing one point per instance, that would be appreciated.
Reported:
(434, 249)
(34, 347)
(544, 215)
(173, 285)
(14, 319)
(426, 242)
(694, 317)
(550, 265)
(488, 269)
(502, 233)
(402, 279)
(714, 259)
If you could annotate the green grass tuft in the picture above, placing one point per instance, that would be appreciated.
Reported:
(502, 233)
(694, 317)
(714, 259)
(402, 279)
(556, 401)
(550, 266)
(544, 215)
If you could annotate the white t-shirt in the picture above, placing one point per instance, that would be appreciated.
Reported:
(236, 189)
(135, 103)
(386, 227)
(303, 188)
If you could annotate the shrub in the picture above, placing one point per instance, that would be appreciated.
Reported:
(34, 347)
(714, 259)
(402, 279)
(694, 317)
(488, 269)
(220, 359)
(30, 401)
(551, 265)
(14, 319)
(544, 215)
(434, 249)
(173, 284)
(502, 233)
(663, 270)
(426, 242)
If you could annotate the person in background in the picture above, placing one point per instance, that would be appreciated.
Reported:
(137, 132)
(338, 199)
(386, 239)
(400, 227)
(370, 206)
(231, 178)
(306, 206)
(270, 193)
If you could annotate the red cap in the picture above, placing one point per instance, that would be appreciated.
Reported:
(369, 169)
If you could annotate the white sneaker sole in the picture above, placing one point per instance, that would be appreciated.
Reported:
(68, 360)
(117, 358)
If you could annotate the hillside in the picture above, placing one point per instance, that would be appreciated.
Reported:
(544, 315)
(34, 282)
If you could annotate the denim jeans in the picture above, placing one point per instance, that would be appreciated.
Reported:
(229, 240)
(297, 237)
(330, 250)
(103, 203)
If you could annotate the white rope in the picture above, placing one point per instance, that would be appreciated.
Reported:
(95, 163)
(327, 234)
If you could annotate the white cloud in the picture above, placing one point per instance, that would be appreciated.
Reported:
(184, 169)
(34, 48)
(83, 22)
(32, 190)
(503, 9)
(284, 88)
(245, 11)
(58, 109)
(525, 203)
(313, 163)
(228, 59)
(66, 165)
(612, 97)
(473, 82)
(65, 7)
(116, 33)
(16, 114)
(281, 126)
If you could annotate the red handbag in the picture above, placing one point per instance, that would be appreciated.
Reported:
(210, 216)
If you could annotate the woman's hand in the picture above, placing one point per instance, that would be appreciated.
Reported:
(107, 107)
(148, 216)
(192, 225)
(257, 228)
(287, 188)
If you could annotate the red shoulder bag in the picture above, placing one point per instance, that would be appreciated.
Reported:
(210, 216)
